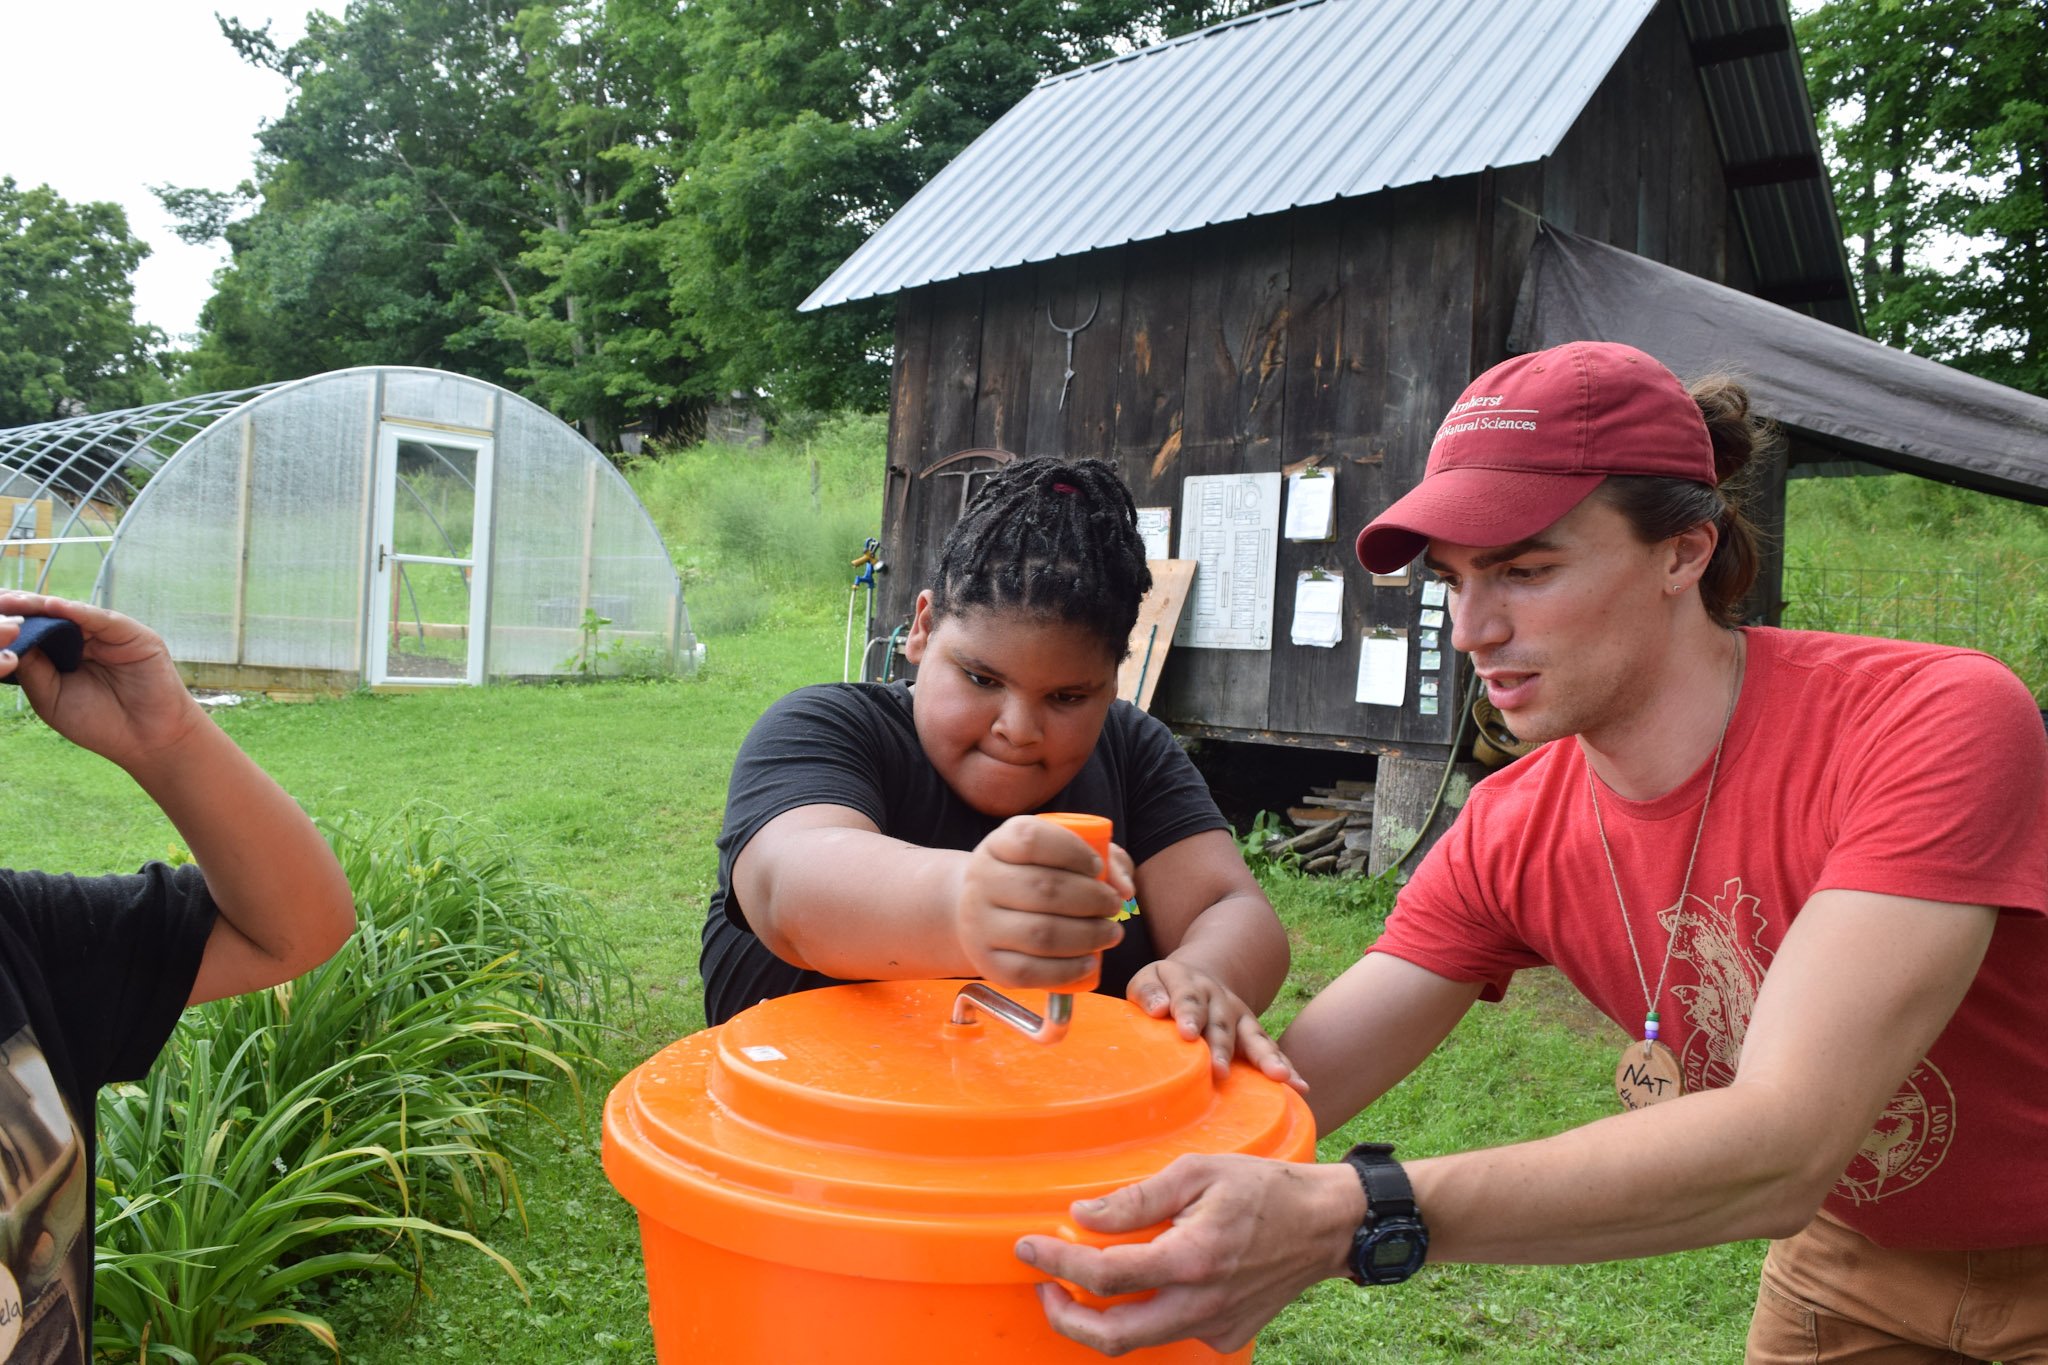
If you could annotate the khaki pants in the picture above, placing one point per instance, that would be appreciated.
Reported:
(1831, 1295)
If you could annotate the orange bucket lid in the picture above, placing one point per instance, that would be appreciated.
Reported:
(856, 1130)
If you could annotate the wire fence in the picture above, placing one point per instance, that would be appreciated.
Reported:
(1945, 606)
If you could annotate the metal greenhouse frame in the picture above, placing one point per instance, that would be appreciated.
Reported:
(81, 464)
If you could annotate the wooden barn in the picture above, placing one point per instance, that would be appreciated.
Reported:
(1253, 266)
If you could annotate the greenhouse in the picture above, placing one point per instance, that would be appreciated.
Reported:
(381, 526)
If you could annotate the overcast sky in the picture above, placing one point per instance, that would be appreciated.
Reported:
(100, 99)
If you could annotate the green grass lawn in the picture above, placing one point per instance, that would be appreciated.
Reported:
(615, 790)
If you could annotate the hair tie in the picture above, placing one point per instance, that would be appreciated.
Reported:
(1064, 488)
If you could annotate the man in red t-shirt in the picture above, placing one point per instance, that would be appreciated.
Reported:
(1808, 873)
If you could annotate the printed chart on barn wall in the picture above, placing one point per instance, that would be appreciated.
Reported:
(1230, 525)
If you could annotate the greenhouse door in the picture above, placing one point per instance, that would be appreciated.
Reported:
(427, 589)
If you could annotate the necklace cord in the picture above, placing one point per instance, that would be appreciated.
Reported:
(1650, 998)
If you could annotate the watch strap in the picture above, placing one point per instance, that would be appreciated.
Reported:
(1387, 1190)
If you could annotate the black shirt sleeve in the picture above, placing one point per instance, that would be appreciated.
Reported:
(816, 746)
(118, 956)
(1166, 799)
(826, 745)
(93, 974)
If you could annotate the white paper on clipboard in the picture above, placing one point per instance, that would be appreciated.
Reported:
(1311, 505)
(1383, 669)
(1318, 610)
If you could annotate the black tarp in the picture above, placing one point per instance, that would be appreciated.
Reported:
(1842, 391)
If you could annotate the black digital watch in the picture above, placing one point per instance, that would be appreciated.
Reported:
(1392, 1242)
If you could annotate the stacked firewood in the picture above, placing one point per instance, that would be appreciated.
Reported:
(1336, 829)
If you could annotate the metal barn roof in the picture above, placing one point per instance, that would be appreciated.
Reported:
(1330, 99)
(1309, 102)
(1755, 86)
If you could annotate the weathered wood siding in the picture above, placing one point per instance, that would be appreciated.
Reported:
(1337, 334)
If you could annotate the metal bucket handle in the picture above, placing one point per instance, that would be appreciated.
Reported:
(980, 997)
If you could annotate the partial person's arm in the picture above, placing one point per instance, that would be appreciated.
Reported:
(825, 889)
(1223, 951)
(1858, 991)
(1365, 1031)
(284, 906)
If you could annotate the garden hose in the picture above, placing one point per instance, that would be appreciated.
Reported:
(889, 654)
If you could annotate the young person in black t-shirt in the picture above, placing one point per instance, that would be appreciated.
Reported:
(93, 971)
(882, 831)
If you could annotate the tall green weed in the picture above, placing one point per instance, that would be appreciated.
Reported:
(765, 535)
(1892, 554)
(329, 1124)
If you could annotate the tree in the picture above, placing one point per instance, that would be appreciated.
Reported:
(454, 185)
(1937, 137)
(614, 205)
(1997, 143)
(384, 197)
(465, 187)
(816, 121)
(601, 341)
(69, 341)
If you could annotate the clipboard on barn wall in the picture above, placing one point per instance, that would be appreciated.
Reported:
(1137, 677)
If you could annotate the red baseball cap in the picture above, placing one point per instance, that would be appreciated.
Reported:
(1529, 439)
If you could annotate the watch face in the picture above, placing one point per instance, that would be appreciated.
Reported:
(1391, 1252)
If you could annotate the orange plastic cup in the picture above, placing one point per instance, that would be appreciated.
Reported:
(841, 1175)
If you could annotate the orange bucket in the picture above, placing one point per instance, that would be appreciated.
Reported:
(840, 1175)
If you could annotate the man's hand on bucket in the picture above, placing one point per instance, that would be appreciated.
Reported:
(1248, 1235)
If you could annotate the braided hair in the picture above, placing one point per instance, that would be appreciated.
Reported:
(1052, 538)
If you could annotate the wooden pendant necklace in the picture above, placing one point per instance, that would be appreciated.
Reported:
(1648, 1072)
